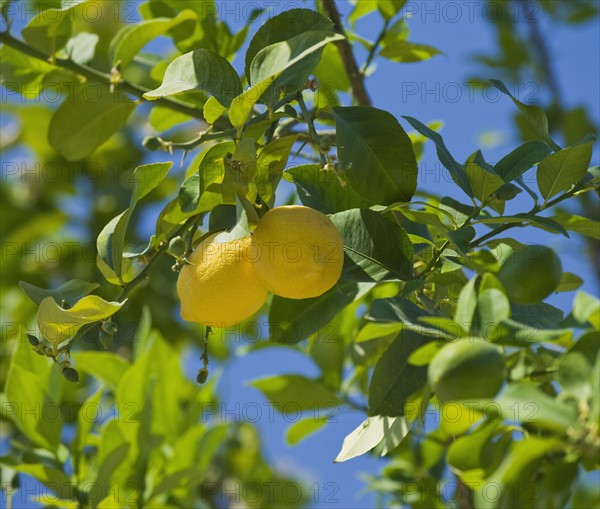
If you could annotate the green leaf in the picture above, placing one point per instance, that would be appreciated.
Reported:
(298, 49)
(30, 404)
(523, 460)
(376, 248)
(389, 8)
(202, 191)
(269, 167)
(277, 59)
(394, 379)
(514, 164)
(576, 368)
(213, 110)
(382, 165)
(544, 223)
(27, 75)
(50, 29)
(367, 436)
(111, 240)
(523, 402)
(493, 307)
(53, 478)
(454, 167)
(323, 189)
(85, 421)
(282, 27)
(106, 366)
(128, 42)
(58, 324)
(466, 305)
(302, 429)
(69, 292)
(81, 47)
(201, 69)
(586, 308)
(291, 320)
(483, 182)
(478, 453)
(398, 50)
(88, 118)
(293, 393)
(559, 171)
(569, 282)
(535, 116)
(360, 10)
(163, 118)
(578, 224)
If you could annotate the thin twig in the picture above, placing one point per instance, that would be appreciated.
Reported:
(143, 275)
(375, 46)
(103, 78)
(356, 78)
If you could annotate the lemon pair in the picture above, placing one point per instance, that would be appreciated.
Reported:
(295, 252)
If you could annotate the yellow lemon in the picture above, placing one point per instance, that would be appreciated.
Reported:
(298, 252)
(221, 288)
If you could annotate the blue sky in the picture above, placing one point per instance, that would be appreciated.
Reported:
(432, 90)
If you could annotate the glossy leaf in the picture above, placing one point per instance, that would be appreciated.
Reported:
(69, 292)
(58, 324)
(578, 224)
(526, 403)
(365, 437)
(378, 158)
(535, 116)
(395, 380)
(276, 60)
(106, 366)
(559, 171)
(323, 190)
(454, 167)
(270, 163)
(376, 249)
(300, 430)
(201, 69)
(49, 30)
(483, 182)
(111, 241)
(132, 38)
(282, 27)
(517, 162)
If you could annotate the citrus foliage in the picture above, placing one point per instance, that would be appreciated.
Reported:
(431, 313)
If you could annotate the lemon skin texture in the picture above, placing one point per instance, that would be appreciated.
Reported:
(221, 288)
(299, 252)
(530, 274)
(467, 369)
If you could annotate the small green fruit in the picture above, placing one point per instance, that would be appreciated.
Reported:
(530, 274)
(202, 375)
(33, 341)
(152, 143)
(177, 247)
(110, 327)
(106, 339)
(467, 369)
(71, 375)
